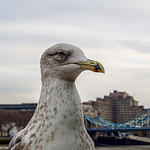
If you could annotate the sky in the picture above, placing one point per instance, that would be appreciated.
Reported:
(113, 32)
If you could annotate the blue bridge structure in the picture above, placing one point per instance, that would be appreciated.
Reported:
(138, 123)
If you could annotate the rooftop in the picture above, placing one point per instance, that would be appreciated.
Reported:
(23, 106)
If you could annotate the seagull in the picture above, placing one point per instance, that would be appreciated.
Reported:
(57, 123)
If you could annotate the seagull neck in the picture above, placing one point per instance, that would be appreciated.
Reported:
(59, 93)
(54, 84)
(60, 99)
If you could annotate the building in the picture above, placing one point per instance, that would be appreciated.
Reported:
(15, 116)
(20, 107)
(90, 112)
(117, 107)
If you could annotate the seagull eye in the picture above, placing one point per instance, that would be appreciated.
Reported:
(61, 54)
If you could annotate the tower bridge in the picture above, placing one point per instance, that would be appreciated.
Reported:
(138, 123)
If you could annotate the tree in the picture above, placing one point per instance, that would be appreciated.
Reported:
(9, 117)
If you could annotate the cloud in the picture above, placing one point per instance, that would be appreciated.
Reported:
(116, 34)
(140, 46)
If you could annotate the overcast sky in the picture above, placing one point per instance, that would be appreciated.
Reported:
(114, 32)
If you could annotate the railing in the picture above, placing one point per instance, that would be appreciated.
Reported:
(138, 121)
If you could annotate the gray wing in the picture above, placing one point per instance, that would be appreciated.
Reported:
(15, 143)
(17, 146)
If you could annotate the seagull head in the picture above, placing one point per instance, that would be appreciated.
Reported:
(66, 62)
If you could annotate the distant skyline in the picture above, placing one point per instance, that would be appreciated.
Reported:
(116, 33)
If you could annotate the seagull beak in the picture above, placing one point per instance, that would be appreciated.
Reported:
(92, 65)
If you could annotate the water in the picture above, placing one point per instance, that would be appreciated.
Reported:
(124, 148)
(109, 148)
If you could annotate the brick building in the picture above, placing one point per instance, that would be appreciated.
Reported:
(117, 107)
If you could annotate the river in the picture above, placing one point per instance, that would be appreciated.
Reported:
(124, 148)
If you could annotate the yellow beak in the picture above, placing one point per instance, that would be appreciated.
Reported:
(92, 65)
